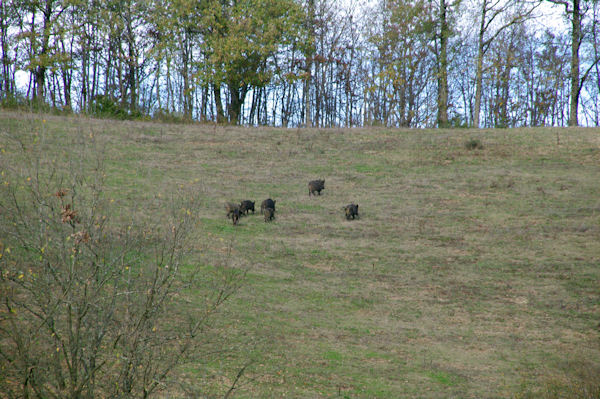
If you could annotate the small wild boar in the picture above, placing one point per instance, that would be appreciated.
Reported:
(315, 186)
(235, 216)
(351, 211)
(268, 203)
(246, 206)
(229, 207)
(269, 214)
(233, 211)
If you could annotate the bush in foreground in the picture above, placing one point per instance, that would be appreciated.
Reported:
(92, 306)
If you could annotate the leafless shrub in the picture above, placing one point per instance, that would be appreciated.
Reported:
(91, 306)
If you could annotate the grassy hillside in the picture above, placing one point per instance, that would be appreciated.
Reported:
(470, 273)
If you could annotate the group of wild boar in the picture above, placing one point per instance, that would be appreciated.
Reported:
(267, 207)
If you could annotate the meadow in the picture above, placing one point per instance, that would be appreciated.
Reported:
(471, 273)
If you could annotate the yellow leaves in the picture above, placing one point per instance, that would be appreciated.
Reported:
(21, 276)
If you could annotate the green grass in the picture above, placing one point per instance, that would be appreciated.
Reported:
(471, 273)
(442, 378)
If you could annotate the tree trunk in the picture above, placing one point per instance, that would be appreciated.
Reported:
(307, 110)
(309, 61)
(218, 103)
(505, 91)
(187, 87)
(40, 71)
(596, 56)
(5, 84)
(479, 68)
(84, 76)
(67, 74)
(442, 119)
(203, 104)
(40, 82)
(157, 83)
(237, 96)
(575, 41)
(131, 63)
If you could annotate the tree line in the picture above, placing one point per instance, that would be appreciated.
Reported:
(406, 63)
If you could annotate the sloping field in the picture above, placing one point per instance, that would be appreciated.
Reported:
(470, 273)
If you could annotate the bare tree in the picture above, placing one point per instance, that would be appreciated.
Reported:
(491, 13)
(405, 65)
(575, 11)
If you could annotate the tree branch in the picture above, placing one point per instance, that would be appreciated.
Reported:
(237, 378)
(586, 73)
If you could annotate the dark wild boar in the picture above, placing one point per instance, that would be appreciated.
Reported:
(268, 203)
(315, 186)
(351, 211)
(246, 206)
